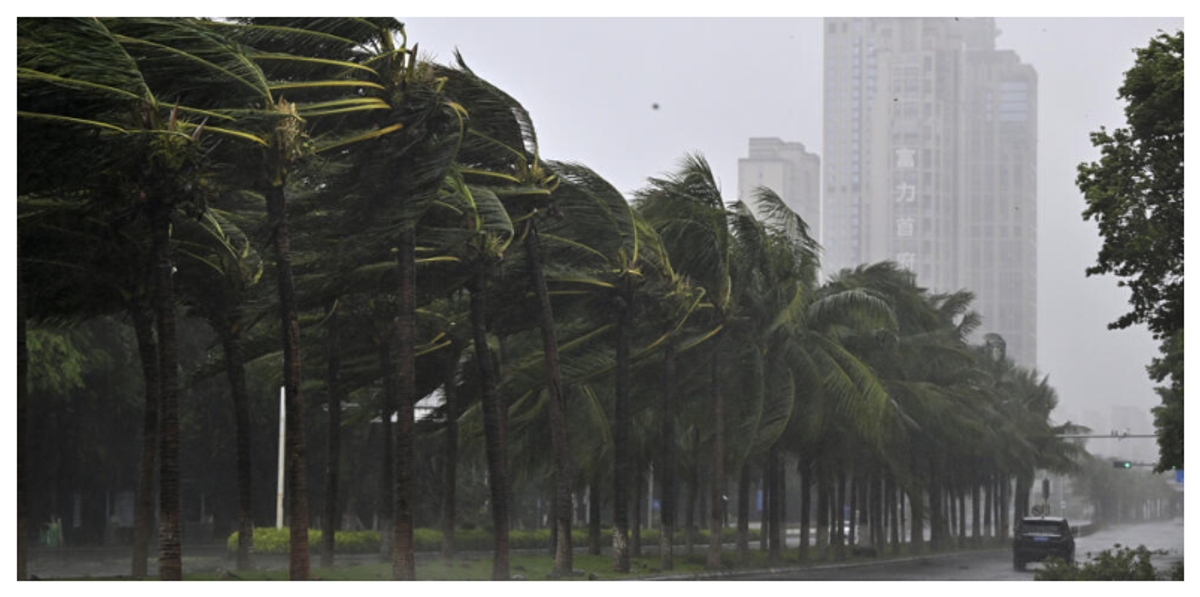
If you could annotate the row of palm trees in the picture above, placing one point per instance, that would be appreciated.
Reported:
(396, 219)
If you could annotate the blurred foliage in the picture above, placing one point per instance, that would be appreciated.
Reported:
(1119, 563)
(1168, 416)
(58, 358)
(1117, 493)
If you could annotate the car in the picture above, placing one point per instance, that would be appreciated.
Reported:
(1038, 538)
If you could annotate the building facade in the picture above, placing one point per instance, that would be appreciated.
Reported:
(789, 170)
(930, 153)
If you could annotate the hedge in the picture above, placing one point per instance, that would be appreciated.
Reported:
(275, 541)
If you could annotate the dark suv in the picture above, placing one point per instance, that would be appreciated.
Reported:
(1041, 537)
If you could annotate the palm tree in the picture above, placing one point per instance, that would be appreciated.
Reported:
(216, 273)
(400, 136)
(797, 366)
(687, 211)
(501, 146)
(110, 76)
(491, 232)
(23, 434)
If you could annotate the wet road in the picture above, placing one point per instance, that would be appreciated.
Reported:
(996, 565)
(989, 565)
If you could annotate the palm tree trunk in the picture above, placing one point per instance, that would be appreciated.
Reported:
(333, 430)
(988, 528)
(782, 518)
(806, 485)
(953, 516)
(764, 514)
(666, 541)
(635, 526)
(23, 437)
(917, 520)
(236, 371)
(855, 486)
(885, 510)
(877, 518)
(774, 504)
(297, 476)
(403, 560)
(594, 514)
(976, 534)
(502, 359)
(1005, 492)
(494, 431)
(715, 521)
(935, 509)
(388, 471)
(563, 552)
(823, 483)
(1021, 497)
(553, 522)
(143, 328)
(893, 507)
(170, 566)
(689, 515)
(839, 530)
(621, 425)
(962, 517)
(743, 514)
(449, 485)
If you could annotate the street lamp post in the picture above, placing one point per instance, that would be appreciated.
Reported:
(282, 437)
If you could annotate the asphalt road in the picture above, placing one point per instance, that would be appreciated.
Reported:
(989, 565)
(993, 565)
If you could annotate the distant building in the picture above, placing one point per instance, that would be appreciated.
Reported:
(930, 152)
(789, 170)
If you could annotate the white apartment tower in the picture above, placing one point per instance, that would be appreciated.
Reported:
(789, 170)
(930, 153)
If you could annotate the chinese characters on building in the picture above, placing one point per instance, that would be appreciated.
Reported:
(905, 194)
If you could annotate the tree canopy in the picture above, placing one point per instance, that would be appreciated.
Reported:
(1135, 194)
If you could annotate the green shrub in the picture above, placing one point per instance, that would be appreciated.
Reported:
(1120, 563)
(273, 540)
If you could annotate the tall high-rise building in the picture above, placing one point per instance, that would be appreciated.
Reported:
(930, 153)
(789, 170)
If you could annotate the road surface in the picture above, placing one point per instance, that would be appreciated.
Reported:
(989, 565)
(995, 565)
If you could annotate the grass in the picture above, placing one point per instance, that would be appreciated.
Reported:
(539, 566)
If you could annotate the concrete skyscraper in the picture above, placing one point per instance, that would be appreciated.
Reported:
(930, 153)
(789, 170)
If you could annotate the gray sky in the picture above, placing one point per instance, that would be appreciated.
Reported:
(590, 83)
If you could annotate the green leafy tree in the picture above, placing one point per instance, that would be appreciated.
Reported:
(1168, 416)
(1135, 194)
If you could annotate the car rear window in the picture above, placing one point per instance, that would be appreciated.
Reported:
(1042, 527)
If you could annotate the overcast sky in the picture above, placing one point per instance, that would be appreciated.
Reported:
(590, 85)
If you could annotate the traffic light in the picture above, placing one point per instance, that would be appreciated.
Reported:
(1122, 464)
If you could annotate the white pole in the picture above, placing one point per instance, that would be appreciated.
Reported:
(282, 436)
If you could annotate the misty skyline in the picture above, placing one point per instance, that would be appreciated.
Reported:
(630, 96)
